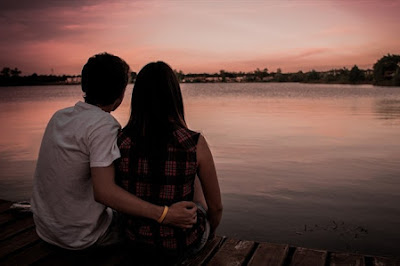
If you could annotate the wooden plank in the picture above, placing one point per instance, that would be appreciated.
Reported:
(17, 242)
(16, 227)
(269, 254)
(232, 252)
(379, 261)
(6, 217)
(112, 255)
(305, 256)
(346, 259)
(5, 205)
(29, 255)
(205, 253)
(64, 257)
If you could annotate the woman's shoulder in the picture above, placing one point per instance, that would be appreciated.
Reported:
(186, 137)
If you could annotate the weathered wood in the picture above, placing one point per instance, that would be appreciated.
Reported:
(17, 242)
(379, 261)
(29, 255)
(205, 253)
(232, 252)
(16, 227)
(20, 245)
(64, 257)
(346, 259)
(6, 217)
(269, 254)
(305, 256)
(112, 255)
(4, 205)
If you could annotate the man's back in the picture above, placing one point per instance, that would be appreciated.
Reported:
(63, 204)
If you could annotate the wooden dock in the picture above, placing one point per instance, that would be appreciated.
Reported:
(20, 245)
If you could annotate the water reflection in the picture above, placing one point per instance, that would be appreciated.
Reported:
(287, 155)
(388, 109)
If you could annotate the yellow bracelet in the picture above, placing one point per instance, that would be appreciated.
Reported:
(162, 217)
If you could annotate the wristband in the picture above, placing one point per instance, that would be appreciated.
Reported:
(162, 217)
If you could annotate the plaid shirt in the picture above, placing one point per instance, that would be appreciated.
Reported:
(175, 184)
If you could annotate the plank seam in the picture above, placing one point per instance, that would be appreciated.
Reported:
(328, 258)
(215, 250)
(289, 256)
(251, 253)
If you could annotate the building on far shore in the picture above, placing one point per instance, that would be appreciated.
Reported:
(73, 80)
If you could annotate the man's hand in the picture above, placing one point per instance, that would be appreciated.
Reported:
(182, 214)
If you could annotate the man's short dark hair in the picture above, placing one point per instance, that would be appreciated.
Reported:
(104, 79)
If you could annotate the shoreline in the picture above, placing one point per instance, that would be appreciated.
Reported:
(204, 82)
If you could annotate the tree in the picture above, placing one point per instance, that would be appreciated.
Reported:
(356, 75)
(6, 72)
(313, 75)
(385, 70)
(396, 78)
(279, 77)
(179, 75)
(297, 77)
(222, 73)
(15, 72)
(260, 74)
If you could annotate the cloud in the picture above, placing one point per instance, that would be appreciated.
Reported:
(30, 5)
(313, 52)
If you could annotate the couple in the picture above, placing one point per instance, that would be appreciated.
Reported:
(153, 183)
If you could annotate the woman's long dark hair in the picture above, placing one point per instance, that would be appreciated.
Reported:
(156, 108)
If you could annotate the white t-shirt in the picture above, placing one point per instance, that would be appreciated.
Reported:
(65, 212)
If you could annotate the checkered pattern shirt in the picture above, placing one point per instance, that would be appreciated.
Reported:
(176, 182)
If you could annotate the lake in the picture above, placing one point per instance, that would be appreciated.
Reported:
(309, 165)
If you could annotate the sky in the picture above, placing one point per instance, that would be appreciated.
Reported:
(58, 36)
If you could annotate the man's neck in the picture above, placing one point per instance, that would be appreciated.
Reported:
(106, 108)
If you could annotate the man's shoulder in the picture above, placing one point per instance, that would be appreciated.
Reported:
(64, 110)
(88, 113)
(88, 120)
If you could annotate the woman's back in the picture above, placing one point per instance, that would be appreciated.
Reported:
(161, 179)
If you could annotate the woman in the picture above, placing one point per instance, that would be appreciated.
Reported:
(160, 158)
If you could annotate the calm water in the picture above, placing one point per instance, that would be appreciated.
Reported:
(310, 165)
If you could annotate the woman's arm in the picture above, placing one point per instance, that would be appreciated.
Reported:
(209, 183)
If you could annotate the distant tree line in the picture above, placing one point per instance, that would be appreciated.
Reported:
(385, 72)
(343, 75)
(12, 77)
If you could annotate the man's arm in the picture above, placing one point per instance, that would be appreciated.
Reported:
(181, 214)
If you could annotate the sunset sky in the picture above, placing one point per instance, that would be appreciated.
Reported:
(47, 36)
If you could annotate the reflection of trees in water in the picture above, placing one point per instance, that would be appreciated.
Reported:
(388, 109)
